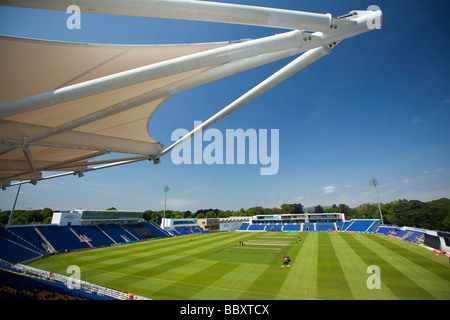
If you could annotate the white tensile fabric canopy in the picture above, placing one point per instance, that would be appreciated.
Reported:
(30, 67)
(63, 104)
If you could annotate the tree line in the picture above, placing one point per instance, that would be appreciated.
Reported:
(433, 215)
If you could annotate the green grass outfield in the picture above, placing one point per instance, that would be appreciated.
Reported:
(215, 266)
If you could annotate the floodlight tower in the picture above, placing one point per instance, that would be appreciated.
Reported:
(166, 189)
(374, 182)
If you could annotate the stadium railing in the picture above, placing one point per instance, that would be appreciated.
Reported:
(24, 277)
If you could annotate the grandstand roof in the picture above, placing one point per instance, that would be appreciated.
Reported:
(54, 66)
(63, 104)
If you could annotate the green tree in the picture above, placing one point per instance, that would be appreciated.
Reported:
(176, 214)
(4, 216)
(446, 224)
(210, 214)
(228, 213)
(439, 211)
(297, 208)
(46, 215)
(37, 216)
(221, 214)
(286, 208)
(18, 219)
(333, 208)
(253, 211)
(343, 208)
(148, 215)
(386, 209)
(413, 213)
(368, 211)
(187, 214)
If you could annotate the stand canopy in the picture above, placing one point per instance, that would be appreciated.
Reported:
(59, 116)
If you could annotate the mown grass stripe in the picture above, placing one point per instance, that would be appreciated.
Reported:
(203, 276)
(199, 281)
(400, 284)
(162, 262)
(355, 271)
(330, 283)
(268, 282)
(231, 285)
(215, 266)
(301, 281)
(175, 265)
(116, 262)
(436, 286)
(271, 280)
(290, 289)
(424, 258)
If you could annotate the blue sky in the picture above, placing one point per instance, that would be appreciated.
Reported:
(377, 107)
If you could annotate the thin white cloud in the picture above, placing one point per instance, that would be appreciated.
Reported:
(328, 189)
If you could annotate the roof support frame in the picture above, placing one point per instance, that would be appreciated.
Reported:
(290, 69)
(231, 59)
(12, 132)
(237, 51)
(202, 78)
(311, 40)
(295, 66)
(284, 41)
(192, 10)
(5, 181)
(29, 157)
(22, 166)
(102, 164)
(39, 178)
(321, 43)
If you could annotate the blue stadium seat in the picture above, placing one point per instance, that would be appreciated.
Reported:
(292, 227)
(362, 225)
(244, 226)
(325, 226)
(96, 236)
(61, 238)
(257, 227)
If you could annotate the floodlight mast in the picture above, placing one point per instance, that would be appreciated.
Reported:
(374, 182)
